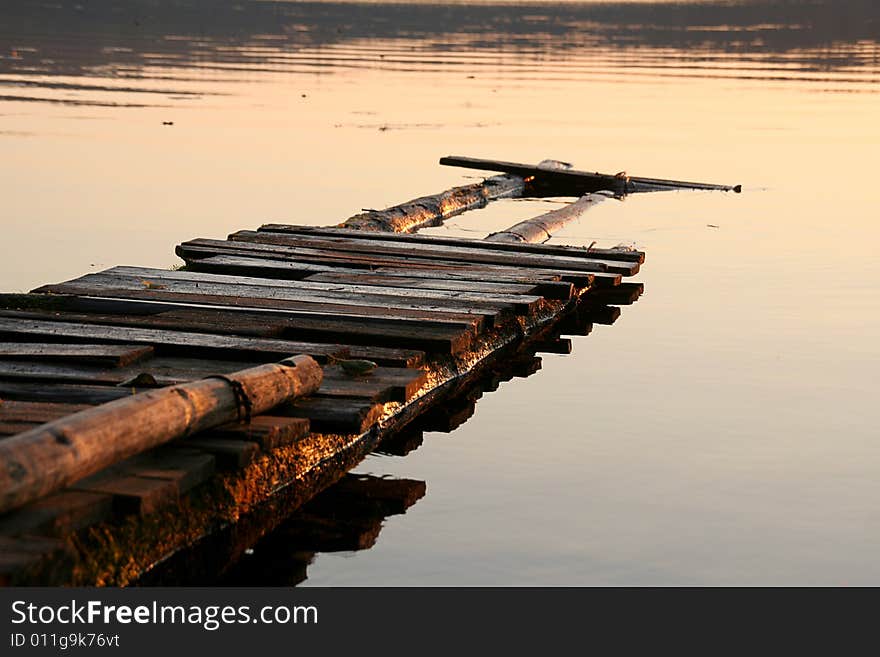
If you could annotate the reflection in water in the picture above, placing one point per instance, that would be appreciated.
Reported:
(348, 516)
(724, 436)
(194, 41)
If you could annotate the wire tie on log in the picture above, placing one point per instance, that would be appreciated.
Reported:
(243, 404)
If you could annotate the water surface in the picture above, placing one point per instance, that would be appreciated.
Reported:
(723, 431)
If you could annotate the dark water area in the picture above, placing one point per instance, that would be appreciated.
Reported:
(108, 39)
(722, 431)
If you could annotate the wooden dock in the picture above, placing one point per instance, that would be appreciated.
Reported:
(436, 315)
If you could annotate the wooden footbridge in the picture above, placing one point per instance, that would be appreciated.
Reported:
(147, 412)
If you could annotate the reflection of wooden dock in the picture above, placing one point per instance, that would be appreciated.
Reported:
(431, 312)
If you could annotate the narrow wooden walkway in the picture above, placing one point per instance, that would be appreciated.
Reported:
(427, 310)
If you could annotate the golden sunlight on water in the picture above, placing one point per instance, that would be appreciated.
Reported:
(722, 431)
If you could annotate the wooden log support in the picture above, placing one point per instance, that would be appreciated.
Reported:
(56, 454)
(431, 210)
(541, 228)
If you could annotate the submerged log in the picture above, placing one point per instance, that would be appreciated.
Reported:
(541, 228)
(431, 210)
(58, 453)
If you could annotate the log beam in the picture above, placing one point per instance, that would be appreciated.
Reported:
(541, 228)
(432, 210)
(58, 453)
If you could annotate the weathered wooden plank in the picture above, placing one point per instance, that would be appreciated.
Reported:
(14, 411)
(337, 282)
(335, 414)
(164, 370)
(196, 249)
(230, 454)
(169, 370)
(202, 248)
(383, 384)
(102, 354)
(315, 290)
(12, 428)
(104, 284)
(268, 431)
(420, 284)
(409, 332)
(52, 392)
(68, 303)
(467, 254)
(542, 249)
(430, 210)
(185, 469)
(166, 340)
(380, 308)
(74, 373)
(388, 356)
(548, 286)
(131, 495)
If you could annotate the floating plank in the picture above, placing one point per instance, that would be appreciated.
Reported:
(383, 384)
(376, 307)
(260, 351)
(202, 248)
(549, 287)
(104, 284)
(187, 281)
(542, 249)
(102, 354)
(417, 285)
(334, 414)
(230, 454)
(164, 370)
(268, 322)
(185, 469)
(12, 428)
(467, 254)
(231, 346)
(62, 392)
(268, 431)
(35, 412)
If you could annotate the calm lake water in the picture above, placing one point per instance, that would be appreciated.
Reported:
(723, 431)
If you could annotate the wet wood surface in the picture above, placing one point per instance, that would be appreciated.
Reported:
(414, 311)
